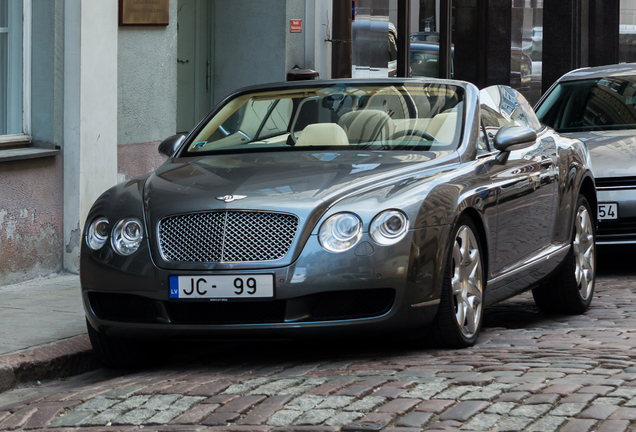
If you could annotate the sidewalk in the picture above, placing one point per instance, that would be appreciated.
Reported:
(42, 330)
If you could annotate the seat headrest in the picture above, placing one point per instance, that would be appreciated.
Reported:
(322, 134)
(367, 125)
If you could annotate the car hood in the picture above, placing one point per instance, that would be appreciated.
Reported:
(613, 153)
(297, 182)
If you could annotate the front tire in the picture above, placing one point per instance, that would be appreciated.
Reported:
(460, 313)
(572, 288)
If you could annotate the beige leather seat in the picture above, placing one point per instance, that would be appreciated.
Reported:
(367, 125)
(322, 134)
(443, 127)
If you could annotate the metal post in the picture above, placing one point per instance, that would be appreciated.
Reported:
(341, 54)
(481, 43)
(445, 38)
(404, 38)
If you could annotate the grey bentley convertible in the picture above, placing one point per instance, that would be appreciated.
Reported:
(342, 208)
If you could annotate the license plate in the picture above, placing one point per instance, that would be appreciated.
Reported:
(222, 286)
(607, 211)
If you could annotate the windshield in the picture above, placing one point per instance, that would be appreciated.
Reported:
(591, 105)
(413, 116)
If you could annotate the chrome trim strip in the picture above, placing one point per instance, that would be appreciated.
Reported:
(426, 303)
(550, 252)
(615, 242)
(603, 188)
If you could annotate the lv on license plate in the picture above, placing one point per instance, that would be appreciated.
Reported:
(222, 286)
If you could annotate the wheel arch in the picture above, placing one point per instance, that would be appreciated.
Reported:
(588, 190)
(476, 217)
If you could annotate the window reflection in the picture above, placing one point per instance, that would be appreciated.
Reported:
(591, 105)
(526, 51)
(627, 32)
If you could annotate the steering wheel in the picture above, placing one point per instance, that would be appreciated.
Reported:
(413, 132)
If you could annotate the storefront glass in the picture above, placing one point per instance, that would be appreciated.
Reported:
(526, 51)
(627, 32)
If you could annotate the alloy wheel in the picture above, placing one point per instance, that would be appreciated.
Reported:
(584, 252)
(466, 281)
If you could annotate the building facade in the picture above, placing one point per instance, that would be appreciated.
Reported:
(85, 101)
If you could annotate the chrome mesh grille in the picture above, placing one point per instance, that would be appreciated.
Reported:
(226, 236)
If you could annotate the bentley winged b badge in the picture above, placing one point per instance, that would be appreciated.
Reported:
(230, 198)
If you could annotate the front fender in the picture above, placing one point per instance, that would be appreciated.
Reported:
(574, 171)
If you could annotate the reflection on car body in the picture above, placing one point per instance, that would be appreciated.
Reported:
(597, 105)
(368, 207)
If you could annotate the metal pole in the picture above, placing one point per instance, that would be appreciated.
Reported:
(481, 43)
(341, 54)
(404, 38)
(445, 38)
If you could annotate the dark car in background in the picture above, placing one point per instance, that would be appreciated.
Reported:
(425, 59)
(598, 106)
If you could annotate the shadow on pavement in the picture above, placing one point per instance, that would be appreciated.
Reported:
(616, 261)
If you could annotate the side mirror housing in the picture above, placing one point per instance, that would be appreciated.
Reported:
(170, 145)
(509, 136)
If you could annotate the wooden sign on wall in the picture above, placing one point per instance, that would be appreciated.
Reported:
(144, 12)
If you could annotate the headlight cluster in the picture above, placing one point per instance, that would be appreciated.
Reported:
(125, 239)
(342, 231)
(389, 227)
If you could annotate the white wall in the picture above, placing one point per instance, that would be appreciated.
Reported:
(147, 81)
(318, 19)
(90, 113)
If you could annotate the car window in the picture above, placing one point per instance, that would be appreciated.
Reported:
(591, 105)
(408, 116)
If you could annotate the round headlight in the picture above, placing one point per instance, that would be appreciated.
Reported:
(127, 236)
(97, 233)
(340, 232)
(389, 227)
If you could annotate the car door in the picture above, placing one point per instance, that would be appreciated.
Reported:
(524, 183)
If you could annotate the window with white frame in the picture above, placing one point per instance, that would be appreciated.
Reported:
(14, 68)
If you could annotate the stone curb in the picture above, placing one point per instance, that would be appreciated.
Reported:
(59, 359)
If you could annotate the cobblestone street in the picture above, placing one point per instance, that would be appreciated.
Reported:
(529, 372)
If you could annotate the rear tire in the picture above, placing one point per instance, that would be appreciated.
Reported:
(571, 289)
(120, 353)
(460, 312)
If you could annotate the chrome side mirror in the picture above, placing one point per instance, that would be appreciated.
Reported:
(170, 145)
(511, 136)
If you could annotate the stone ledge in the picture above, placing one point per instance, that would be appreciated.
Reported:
(64, 358)
(26, 153)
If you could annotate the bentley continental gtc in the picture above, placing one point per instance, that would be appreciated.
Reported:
(342, 208)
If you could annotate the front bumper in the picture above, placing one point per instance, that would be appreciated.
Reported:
(621, 231)
(394, 289)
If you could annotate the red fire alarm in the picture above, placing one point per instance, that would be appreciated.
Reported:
(295, 26)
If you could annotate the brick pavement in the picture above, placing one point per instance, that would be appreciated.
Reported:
(529, 372)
